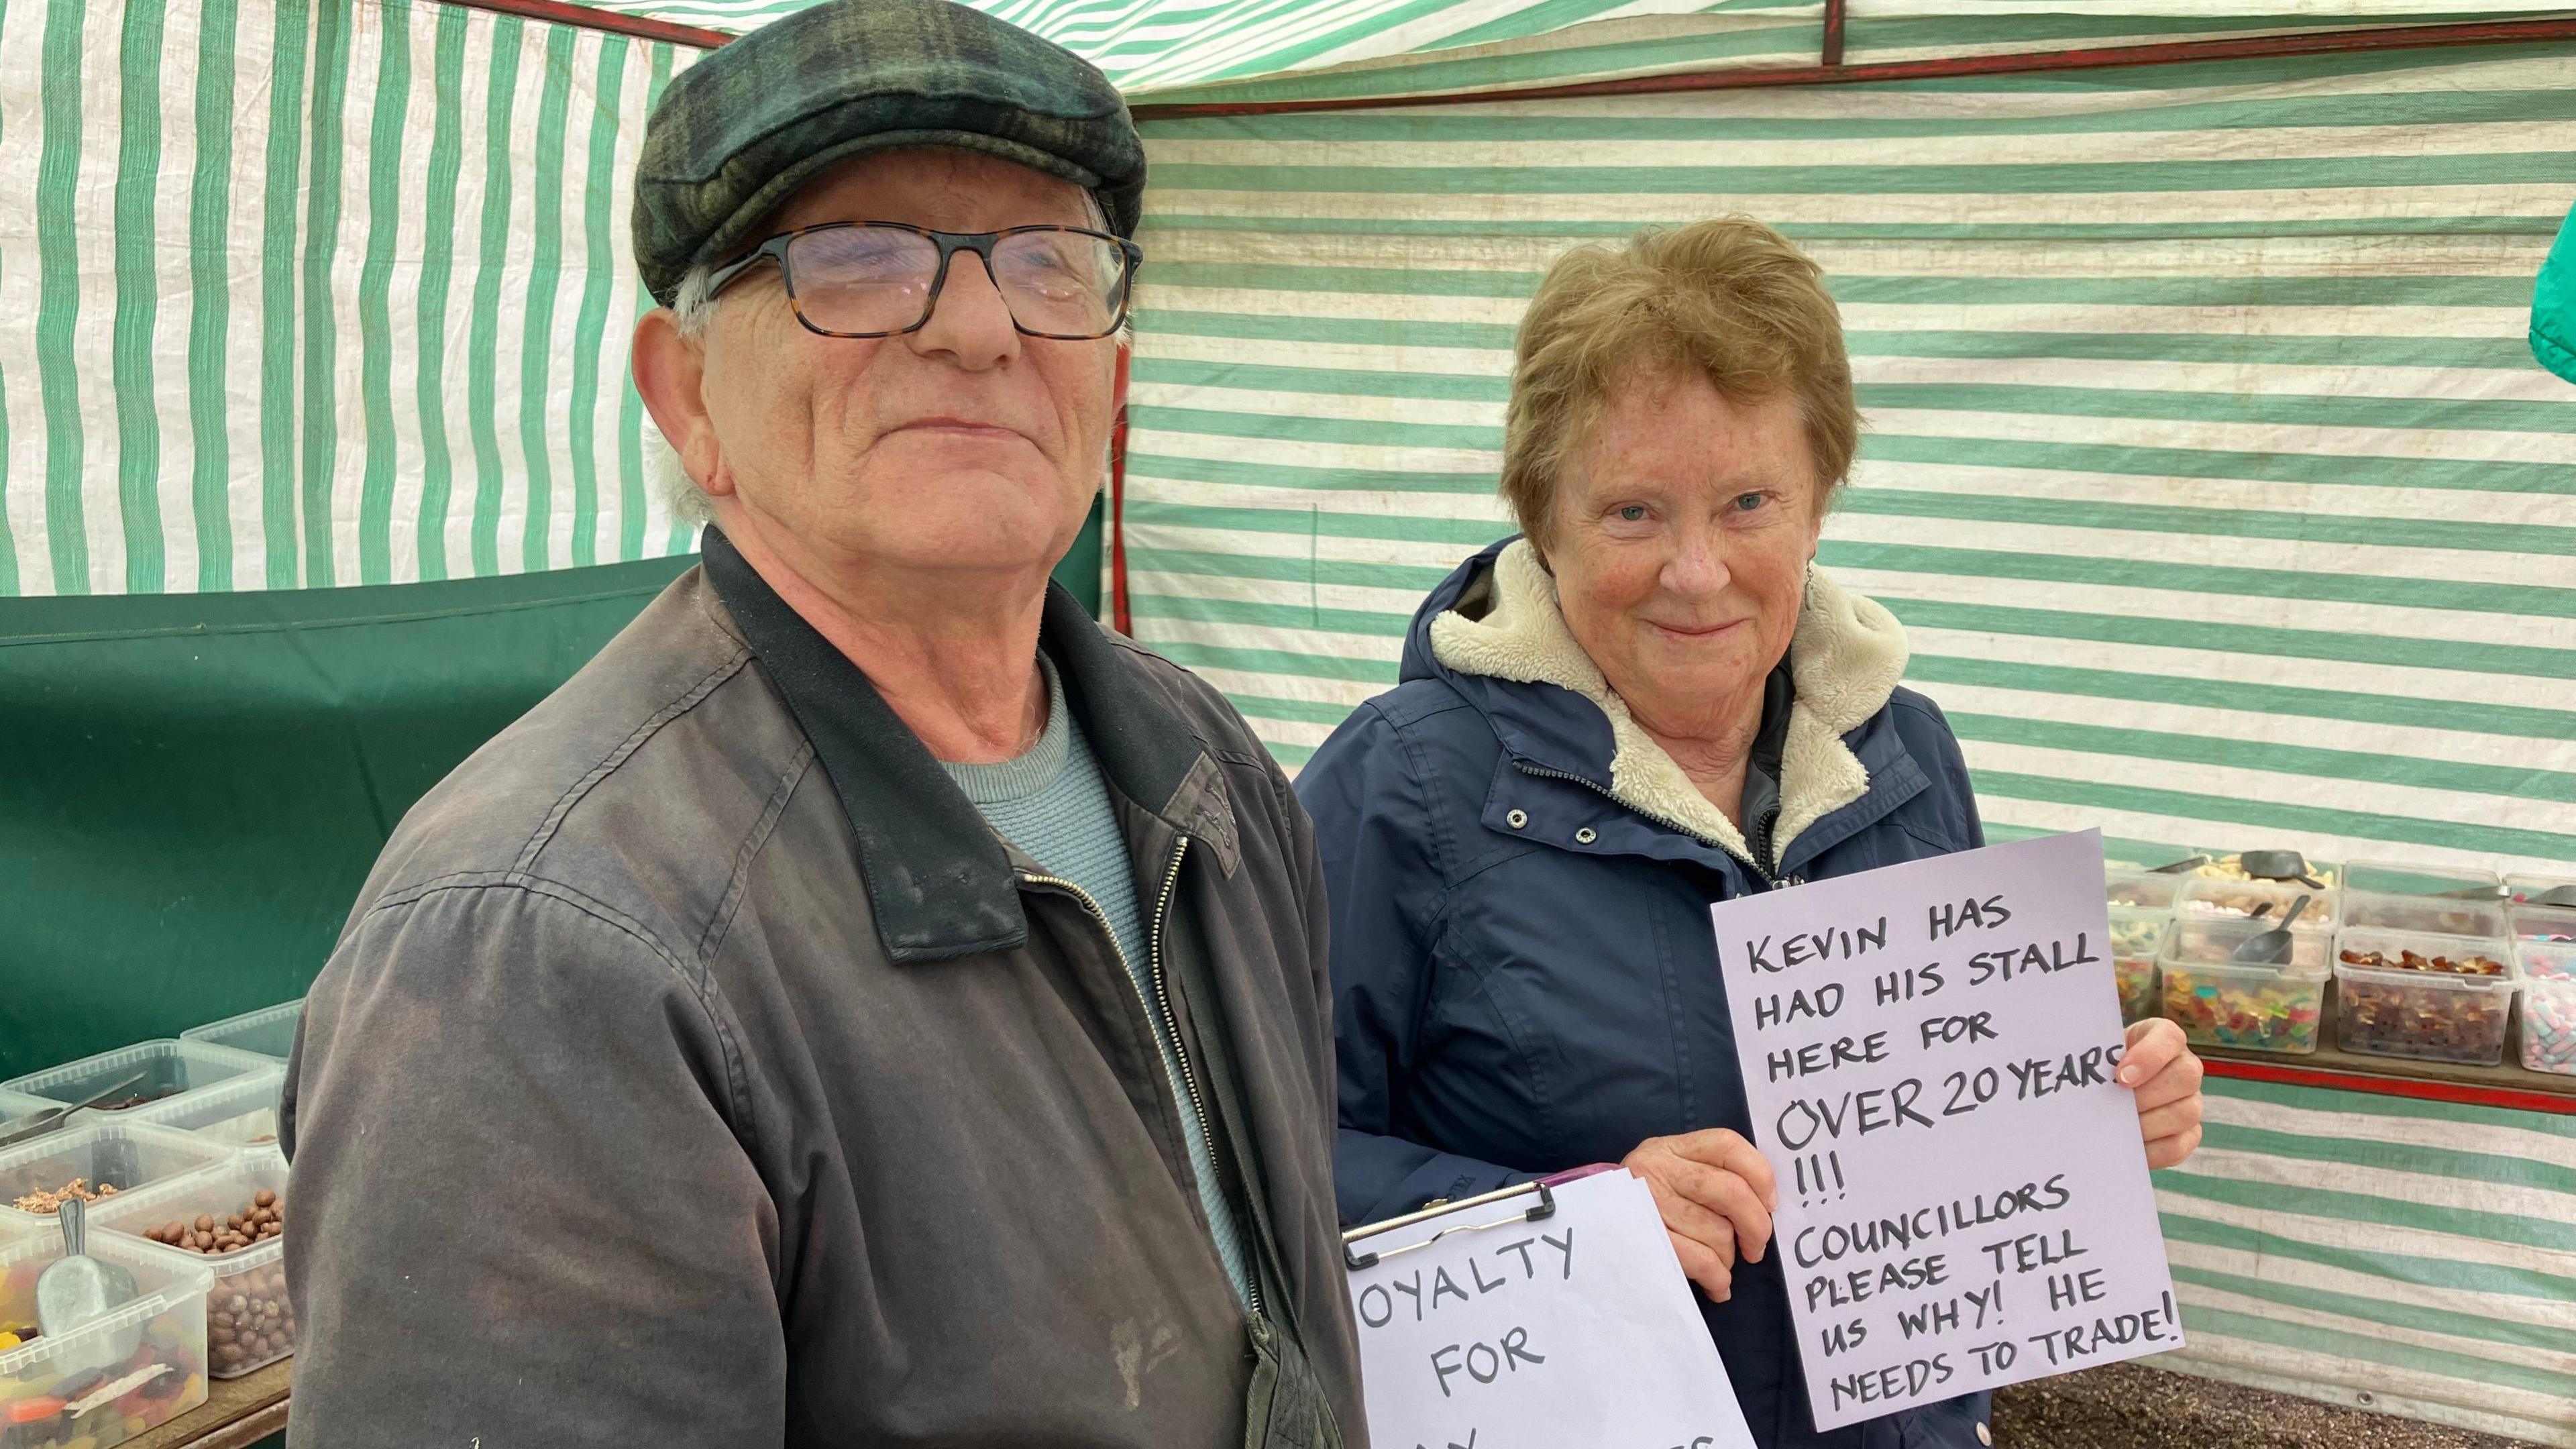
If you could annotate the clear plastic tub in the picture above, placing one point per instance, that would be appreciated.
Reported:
(2542, 923)
(16, 1105)
(2548, 1005)
(99, 1150)
(2144, 890)
(267, 1032)
(169, 1068)
(2136, 938)
(2389, 1009)
(124, 1375)
(2424, 915)
(238, 1113)
(2397, 878)
(2231, 866)
(2240, 899)
(249, 1322)
(2540, 889)
(2219, 1002)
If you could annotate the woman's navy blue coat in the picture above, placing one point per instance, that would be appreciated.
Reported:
(1513, 1002)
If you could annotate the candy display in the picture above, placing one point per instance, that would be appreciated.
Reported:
(249, 1321)
(2220, 1002)
(233, 1220)
(2269, 900)
(2430, 997)
(2548, 1005)
(263, 1218)
(44, 1201)
(140, 1075)
(89, 1389)
(101, 1152)
(2265, 1008)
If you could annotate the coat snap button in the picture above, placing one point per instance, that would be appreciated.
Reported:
(1585, 836)
(1985, 1435)
(1518, 818)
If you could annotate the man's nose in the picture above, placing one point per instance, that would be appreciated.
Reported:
(970, 323)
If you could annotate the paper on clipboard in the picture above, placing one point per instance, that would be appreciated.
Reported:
(1534, 1319)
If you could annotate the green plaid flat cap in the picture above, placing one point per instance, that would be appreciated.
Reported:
(739, 132)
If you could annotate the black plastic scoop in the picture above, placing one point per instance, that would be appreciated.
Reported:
(2272, 947)
(2188, 862)
(2554, 896)
(2279, 865)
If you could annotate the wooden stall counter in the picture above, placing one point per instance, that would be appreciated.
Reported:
(237, 1413)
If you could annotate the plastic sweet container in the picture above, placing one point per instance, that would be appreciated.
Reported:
(2548, 1005)
(123, 1155)
(2541, 923)
(2531, 889)
(2398, 878)
(2218, 1001)
(238, 1113)
(2394, 996)
(249, 1322)
(2137, 936)
(2207, 897)
(169, 1068)
(2424, 915)
(2144, 890)
(128, 1373)
(14, 1105)
(267, 1032)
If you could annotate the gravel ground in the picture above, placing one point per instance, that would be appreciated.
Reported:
(2126, 1406)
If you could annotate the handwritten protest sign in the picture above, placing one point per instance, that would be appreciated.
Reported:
(1483, 1329)
(1928, 1051)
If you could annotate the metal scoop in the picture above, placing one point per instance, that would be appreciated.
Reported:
(2554, 896)
(79, 1290)
(2272, 947)
(37, 1124)
(2279, 865)
(2188, 862)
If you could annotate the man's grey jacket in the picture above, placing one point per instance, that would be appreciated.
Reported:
(698, 1068)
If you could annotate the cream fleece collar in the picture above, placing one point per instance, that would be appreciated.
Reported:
(1846, 658)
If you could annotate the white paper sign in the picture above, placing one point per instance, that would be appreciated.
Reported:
(1928, 1051)
(1502, 1333)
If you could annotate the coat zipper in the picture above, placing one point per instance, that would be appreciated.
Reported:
(1769, 881)
(1171, 1018)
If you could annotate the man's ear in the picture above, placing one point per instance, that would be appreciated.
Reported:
(670, 374)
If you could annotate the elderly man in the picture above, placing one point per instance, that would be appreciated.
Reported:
(868, 1004)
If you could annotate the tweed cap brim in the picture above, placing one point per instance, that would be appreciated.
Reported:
(739, 133)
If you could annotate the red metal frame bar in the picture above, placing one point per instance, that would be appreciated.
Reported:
(1833, 33)
(560, 12)
(1119, 618)
(2322, 42)
(2515, 1098)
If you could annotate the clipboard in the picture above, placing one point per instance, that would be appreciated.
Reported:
(1354, 1261)
(1572, 1326)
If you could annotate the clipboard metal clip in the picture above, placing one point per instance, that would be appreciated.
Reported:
(1540, 1211)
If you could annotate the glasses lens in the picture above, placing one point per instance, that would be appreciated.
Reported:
(1062, 283)
(862, 278)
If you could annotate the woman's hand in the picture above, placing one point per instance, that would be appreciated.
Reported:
(2166, 1076)
(1716, 1194)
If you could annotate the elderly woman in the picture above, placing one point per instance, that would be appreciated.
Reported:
(1649, 701)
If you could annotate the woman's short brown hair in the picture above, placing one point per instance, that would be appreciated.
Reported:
(1730, 297)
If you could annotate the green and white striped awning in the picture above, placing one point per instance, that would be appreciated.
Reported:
(2205, 461)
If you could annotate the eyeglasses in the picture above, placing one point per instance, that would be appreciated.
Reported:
(881, 278)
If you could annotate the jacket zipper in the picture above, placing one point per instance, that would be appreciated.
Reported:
(1769, 881)
(1171, 1019)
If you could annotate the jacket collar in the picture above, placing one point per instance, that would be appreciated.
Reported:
(940, 882)
(1845, 658)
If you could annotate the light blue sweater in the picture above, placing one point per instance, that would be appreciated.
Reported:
(1054, 804)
